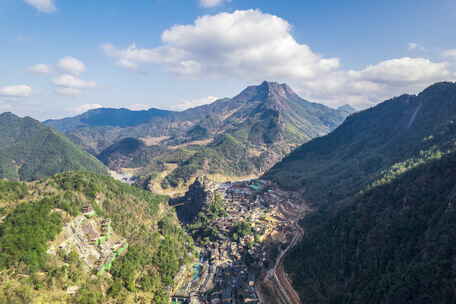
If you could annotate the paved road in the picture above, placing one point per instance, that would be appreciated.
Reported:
(277, 276)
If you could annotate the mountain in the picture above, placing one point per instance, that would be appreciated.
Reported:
(231, 138)
(107, 117)
(373, 146)
(30, 150)
(393, 244)
(382, 187)
(347, 109)
(84, 238)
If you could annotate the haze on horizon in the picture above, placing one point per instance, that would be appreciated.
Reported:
(61, 58)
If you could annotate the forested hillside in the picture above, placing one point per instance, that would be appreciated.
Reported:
(39, 264)
(393, 244)
(382, 186)
(30, 150)
(373, 146)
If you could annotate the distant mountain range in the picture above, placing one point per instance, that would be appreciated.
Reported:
(228, 139)
(30, 150)
(383, 187)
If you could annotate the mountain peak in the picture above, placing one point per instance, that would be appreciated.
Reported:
(9, 115)
(275, 88)
(439, 88)
(267, 90)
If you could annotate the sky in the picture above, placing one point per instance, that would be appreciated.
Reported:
(59, 58)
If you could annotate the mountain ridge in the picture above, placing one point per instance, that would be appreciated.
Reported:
(382, 188)
(233, 137)
(396, 131)
(30, 150)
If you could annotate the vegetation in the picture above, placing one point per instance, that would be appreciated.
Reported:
(158, 246)
(373, 147)
(393, 244)
(24, 235)
(29, 151)
(383, 187)
(237, 137)
(202, 227)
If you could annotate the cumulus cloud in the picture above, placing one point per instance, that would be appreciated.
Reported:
(253, 46)
(40, 68)
(45, 6)
(71, 65)
(70, 81)
(211, 3)
(403, 71)
(187, 104)
(16, 91)
(239, 43)
(85, 107)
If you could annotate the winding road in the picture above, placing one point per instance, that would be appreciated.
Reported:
(277, 278)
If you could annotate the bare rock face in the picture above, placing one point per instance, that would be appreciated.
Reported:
(199, 195)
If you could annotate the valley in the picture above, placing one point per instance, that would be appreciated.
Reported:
(227, 152)
(242, 229)
(230, 139)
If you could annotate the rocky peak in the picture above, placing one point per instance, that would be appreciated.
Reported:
(199, 195)
(275, 89)
(266, 91)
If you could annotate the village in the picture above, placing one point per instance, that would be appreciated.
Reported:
(93, 240)
(243, 243)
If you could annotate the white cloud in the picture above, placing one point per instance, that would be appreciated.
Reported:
(404, 70)
(240, 43)
(211, 3)
(187, 104)
(70, 81)
(254, 46)
(68, 91)
(137, 107)
(45, 6)
(71, 65)
(449, 53)
(40, 68)
(413, 46)
(85, 107)
(16, 91)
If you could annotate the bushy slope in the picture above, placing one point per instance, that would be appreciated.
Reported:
(394, 244)
(373, 146)
(29, 150)
(32, 214)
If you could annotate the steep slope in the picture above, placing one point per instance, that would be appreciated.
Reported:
(30, 150)
(393, 244)
(84, 238)
(373, 146)
(382, 186)
(228, 139)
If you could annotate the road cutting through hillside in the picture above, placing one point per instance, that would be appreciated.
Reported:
(276, 278)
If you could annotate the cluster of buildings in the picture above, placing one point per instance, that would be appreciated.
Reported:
(92, 238)
(229, 265)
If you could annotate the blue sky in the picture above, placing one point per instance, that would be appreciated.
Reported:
(61, 57)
